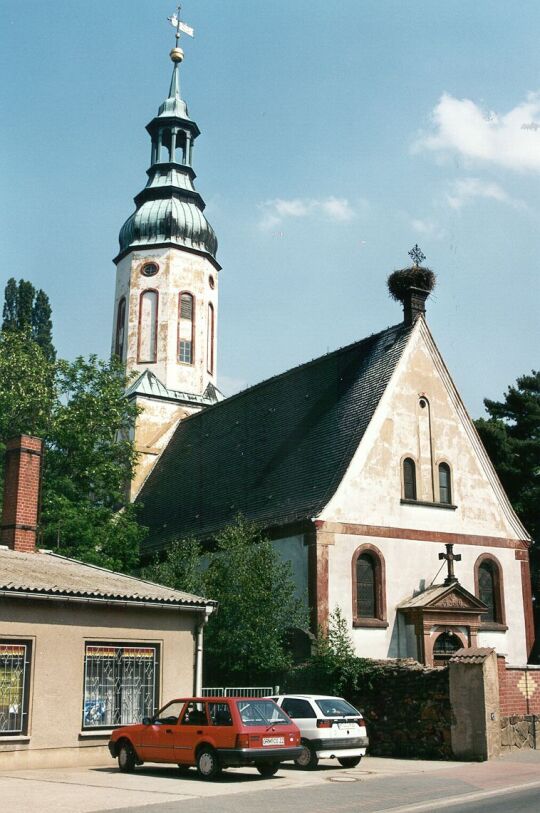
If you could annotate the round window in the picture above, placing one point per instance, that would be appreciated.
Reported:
(149, 269)
(423, 403)
(212, 282)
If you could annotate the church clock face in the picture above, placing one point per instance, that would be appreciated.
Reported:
(149, 269)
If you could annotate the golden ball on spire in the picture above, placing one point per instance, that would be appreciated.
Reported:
(177, 54)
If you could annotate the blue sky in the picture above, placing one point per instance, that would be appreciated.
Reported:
(333, 139)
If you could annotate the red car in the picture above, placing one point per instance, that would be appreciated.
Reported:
(211, 733)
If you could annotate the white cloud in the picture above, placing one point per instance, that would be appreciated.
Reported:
(466, 189)
(278, 210)
(511, 140)
(428, 228)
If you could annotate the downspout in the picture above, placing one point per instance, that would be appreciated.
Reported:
(208, 610)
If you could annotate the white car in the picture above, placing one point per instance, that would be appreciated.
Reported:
(329, 726)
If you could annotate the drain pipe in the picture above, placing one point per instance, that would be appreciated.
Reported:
(208, 610)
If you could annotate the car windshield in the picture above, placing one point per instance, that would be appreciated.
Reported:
(261, 712)
(336, 707)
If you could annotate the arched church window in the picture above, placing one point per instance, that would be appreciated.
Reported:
(409, 479)
(369, 590)
(120, 328)
(489, 588)
(445, 485)
(210, 339)
(148, 321)
(186, 328)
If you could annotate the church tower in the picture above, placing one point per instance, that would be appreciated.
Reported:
(166, 301)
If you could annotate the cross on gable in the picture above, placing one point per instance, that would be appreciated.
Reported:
(450, 557)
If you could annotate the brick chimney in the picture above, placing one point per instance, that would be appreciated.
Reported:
(22, 479)
(414, 304)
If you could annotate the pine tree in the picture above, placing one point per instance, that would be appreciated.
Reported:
(29, 312)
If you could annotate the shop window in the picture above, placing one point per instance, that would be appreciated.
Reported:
(15, 661)
(120, 684)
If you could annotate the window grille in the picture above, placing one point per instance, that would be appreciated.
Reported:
(14, 680)
(186, 307)
(366, 602)
(409, 479)
(120, 684)
(445, 491)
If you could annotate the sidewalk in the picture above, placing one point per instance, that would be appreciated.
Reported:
(391, 783)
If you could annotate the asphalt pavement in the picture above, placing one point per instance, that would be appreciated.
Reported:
(510, 784)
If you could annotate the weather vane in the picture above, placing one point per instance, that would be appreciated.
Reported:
(177, 23)
(416, 255)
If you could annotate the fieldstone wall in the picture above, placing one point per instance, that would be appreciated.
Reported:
(520, 732)
(407, 710)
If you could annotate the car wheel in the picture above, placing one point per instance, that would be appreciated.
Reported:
(308, 759)
(208, 766)
(268, 769)
(349, 762)
(126, 758)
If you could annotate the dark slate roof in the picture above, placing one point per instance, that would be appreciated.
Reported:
(275, 452)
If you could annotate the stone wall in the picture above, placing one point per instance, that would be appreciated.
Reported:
(519, 690)
(407, 711)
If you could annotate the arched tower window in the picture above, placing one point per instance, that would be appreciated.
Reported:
(445, 484)
(186, 328)
(369, 589)
(489, 588)
(210, 339)
(148, 319)
(120, 329)
(409, 479)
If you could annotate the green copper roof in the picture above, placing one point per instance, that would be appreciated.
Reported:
(169, 211)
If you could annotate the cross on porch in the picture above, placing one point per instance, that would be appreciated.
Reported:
(450, 557)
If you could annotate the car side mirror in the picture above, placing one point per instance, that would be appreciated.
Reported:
(147, 721)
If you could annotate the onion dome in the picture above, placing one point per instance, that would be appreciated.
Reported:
(169, 211)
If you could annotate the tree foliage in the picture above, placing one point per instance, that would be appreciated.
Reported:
(257, 606)
(182, 568)
(29, 312)
(79, 410)
(511, 436)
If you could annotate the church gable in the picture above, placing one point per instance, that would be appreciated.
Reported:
(445, 598)
(421, 464)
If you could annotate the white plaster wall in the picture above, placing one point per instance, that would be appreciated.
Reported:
(371, 489)
(293, 550)
(178, 271)
(412, 565)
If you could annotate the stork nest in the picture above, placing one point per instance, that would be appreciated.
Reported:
(399, 282)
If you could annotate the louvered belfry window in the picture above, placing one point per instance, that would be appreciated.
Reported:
(409, 479)
(366, 587)
(486, 589)
(445, 490)
(186, 325)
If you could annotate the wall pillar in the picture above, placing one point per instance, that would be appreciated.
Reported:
(474, 698)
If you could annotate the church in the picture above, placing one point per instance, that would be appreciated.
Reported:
(363, 466)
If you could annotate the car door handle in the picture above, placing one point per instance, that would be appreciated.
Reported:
(199, 732)
(168, 731)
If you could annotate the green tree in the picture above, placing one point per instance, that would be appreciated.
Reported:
(29, 312)
(245, 640)
(182, 567)
(42, 324)
(511, 436)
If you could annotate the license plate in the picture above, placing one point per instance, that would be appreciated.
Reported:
(344, 725)
(273, 741)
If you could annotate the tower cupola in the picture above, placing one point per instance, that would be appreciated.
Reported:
(169, 211)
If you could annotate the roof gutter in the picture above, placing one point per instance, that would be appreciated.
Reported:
(206, 608)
